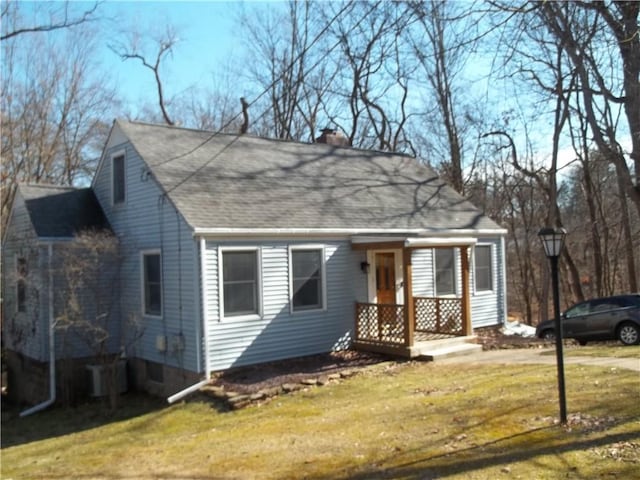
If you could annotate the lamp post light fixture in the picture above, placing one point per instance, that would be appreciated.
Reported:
(553, 241)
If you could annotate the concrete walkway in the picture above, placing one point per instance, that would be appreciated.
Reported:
(544, 356)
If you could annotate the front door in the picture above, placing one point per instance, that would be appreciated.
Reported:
(386, 278)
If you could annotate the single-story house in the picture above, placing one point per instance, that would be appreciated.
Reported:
(238, 250)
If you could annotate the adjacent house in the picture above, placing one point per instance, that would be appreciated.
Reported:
(238, 250)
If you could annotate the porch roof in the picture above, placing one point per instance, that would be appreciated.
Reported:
(403, 241)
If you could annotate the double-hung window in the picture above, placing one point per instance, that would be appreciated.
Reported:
(482, 268)
(306, 278)
(21, 284)
(152, 283)
(240, 282)
(118, 178)
(445, 271)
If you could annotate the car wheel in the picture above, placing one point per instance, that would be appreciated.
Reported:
(548, 335)
(629, 334)
(582, 342)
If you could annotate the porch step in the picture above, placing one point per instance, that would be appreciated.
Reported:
(450, 347)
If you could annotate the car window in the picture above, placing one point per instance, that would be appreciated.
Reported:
(577, 310)
(607, 304)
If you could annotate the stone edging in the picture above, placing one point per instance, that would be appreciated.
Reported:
(236, 401)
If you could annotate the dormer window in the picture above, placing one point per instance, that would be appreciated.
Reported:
(118, 177)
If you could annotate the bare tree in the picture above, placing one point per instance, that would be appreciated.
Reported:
(133, 48)
(441, 46)
(53, 110)
(575, 27)
(292, 68)
(88, 273)
(58, 17)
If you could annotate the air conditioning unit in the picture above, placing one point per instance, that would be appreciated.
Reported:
(98, 379)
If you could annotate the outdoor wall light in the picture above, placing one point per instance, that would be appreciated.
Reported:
(364, 266)
(552, 241)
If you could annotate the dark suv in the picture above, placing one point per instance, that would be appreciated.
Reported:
(608, 318)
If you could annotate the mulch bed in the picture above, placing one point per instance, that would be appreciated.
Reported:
(251, 379)
(247, 380)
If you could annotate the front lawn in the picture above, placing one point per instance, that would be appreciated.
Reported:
(405, 420)
(602, 349)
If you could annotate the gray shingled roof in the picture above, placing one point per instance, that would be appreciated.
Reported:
(248, 182)
(62, 211)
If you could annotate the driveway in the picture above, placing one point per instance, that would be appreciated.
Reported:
(544, 356)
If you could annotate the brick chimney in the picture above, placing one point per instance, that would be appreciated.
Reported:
(331, 136)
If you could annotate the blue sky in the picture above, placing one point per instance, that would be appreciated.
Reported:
(206, 40)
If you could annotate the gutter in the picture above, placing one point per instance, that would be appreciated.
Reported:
(440, 242)
(199, 232)
(52, 350)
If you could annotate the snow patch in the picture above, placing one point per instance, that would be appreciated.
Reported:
(519, 329)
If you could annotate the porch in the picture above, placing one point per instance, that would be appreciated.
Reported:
(397, 322)
(381, 328)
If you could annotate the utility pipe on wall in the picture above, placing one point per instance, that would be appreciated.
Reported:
(52, 350)
(202, 344)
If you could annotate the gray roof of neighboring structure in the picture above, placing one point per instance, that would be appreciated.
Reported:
(62, 211)
(231, 181)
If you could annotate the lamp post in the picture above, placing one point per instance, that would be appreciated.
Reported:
(552, 241)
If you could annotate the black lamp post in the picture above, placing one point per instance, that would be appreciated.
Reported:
(552, 241)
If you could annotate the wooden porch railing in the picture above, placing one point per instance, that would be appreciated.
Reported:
(380, 324)
(438, 315)
(383, 325)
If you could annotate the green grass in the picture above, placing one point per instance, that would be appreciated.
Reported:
(400, 421)
(601, 349)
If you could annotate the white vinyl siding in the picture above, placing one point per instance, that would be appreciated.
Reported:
(488, 307)
(280, 333)
(148, 221)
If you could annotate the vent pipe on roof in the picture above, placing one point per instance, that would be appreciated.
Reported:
(245, 116)
(331, 136)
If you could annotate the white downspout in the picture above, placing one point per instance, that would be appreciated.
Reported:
(52, 350)
(203, 344)
(505, 312)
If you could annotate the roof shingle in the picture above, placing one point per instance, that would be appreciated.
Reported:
(230, 181)
(62, 211)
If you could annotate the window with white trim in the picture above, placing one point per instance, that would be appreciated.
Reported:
(21, 284)
(306, 279)
(240, 282)
(482, 268)
(152, 283)
(445, 271)
(118, 178)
